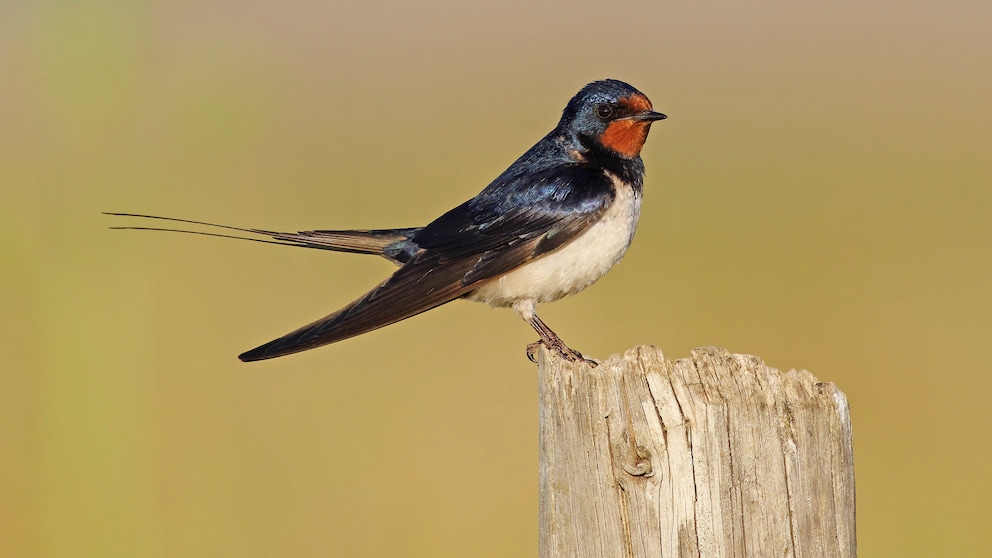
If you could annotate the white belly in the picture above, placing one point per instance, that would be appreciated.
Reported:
(576, 265)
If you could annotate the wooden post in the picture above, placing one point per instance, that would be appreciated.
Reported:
(709, 456)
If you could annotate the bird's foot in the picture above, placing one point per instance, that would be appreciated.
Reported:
(551, 340)
(562, 349)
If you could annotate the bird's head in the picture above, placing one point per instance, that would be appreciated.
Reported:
(610, 114)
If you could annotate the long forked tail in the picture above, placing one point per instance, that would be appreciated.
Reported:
(393, 244)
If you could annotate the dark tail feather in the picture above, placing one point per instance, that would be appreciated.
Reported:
(357, 241)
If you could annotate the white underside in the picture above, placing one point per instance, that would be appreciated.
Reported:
(571, 268)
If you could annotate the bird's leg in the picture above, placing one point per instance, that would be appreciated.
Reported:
(549, 338)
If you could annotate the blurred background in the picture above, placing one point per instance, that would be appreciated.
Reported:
(821, 196)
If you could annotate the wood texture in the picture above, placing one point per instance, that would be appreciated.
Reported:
(709, 456)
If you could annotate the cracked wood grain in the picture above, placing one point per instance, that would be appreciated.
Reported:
(708, 456)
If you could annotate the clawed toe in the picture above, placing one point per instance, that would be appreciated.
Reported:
(532, 351)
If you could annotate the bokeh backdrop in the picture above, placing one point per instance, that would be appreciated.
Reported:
(821, 196)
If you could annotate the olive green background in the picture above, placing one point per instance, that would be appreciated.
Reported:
(820, 196)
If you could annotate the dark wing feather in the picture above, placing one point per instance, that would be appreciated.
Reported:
(479, 240)
(418, 286)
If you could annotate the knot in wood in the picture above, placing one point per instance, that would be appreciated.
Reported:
(642, 464)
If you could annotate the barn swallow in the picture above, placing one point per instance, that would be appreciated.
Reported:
(550, 225)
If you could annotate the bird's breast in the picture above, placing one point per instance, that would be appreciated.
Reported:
(576, 265)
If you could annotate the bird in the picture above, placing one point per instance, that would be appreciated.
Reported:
(553, 223)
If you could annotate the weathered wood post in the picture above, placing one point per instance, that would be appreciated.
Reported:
(709, 456)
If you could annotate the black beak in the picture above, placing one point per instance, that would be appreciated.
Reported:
(649, 116)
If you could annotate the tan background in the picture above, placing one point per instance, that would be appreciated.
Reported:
(821, 196)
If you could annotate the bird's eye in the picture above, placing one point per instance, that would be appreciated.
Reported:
(604, 111)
